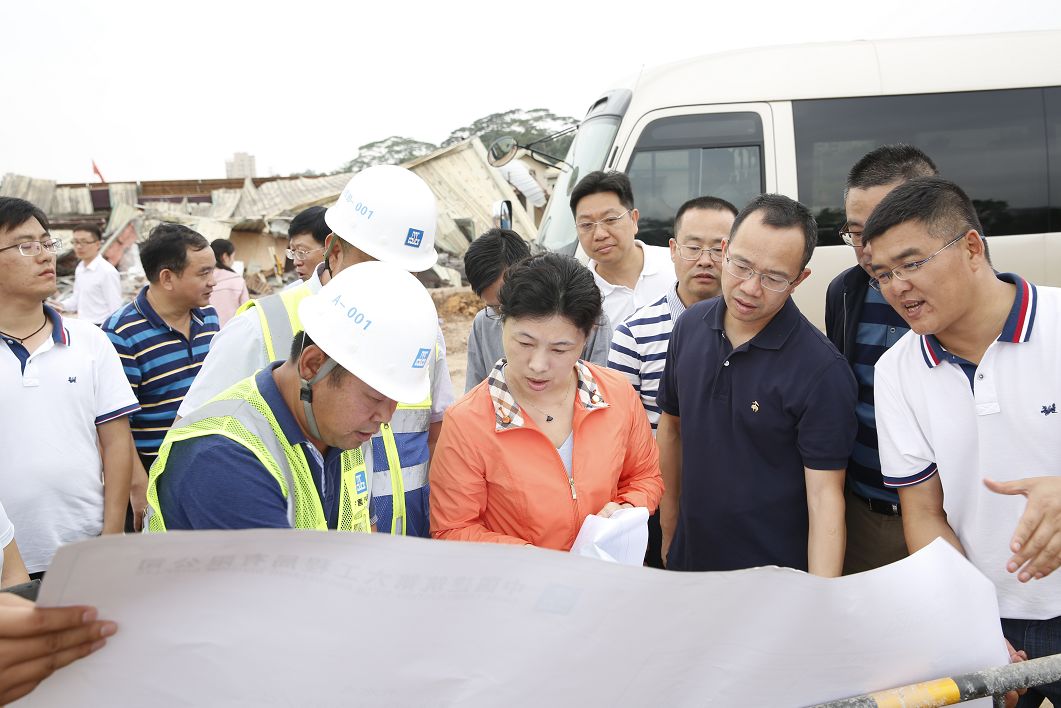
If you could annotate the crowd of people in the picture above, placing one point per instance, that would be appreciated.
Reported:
(684, 380)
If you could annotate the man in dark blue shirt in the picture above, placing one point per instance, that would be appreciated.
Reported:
(863, 326)
(758, 412)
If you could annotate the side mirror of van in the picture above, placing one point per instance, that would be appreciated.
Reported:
(501, 151)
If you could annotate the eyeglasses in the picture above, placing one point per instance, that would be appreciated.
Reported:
(693, 253)
(33, 248)
(904, 271)
(300, 254)
(851, 238)
(771, 282)
(587, 227)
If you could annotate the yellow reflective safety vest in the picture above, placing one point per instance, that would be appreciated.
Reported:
(241, 414)
(404, 438)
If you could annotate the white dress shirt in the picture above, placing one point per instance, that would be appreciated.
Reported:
(97, 291)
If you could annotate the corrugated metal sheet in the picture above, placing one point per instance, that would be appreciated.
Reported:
(71, 200)
(123, 193)
(38, 191)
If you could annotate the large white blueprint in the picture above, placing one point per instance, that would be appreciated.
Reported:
(302, 618)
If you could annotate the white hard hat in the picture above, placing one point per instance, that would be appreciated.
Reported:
(379, 323)
(389, 213)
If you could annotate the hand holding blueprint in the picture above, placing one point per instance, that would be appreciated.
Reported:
(620, 538)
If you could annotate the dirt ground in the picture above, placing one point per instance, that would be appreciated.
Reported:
(456, 309)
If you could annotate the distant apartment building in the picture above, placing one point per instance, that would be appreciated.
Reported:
(241, 165)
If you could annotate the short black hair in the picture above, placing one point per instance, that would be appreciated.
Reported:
(707, 203)
(166, 248)
(552, 284)
(596, 182)
(311, 221)
(14, 212)
(941, 205)
(781, 212)
(93, 229)
(490, 255)
(222, 247)
(889, 164)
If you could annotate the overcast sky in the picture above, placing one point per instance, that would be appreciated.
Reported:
(170, 90)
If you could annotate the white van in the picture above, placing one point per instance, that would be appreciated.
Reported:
(794, 119)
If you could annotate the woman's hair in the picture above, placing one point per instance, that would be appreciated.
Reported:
(222, 247)
(551, 284)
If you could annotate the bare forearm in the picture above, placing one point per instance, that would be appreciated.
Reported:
(921, 529)
(117, 454)
(668, 437)
(827, 538)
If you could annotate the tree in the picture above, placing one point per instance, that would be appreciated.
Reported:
(525, 126)
(390, 151)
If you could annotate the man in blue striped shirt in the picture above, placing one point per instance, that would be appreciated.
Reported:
(863, 326)
(162, 338)
(639, 345)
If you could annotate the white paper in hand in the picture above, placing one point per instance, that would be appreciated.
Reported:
(620, 538)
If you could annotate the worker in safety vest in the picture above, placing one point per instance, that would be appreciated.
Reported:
(384, 213)
(282, 448)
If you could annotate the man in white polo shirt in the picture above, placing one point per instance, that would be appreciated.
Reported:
(969, 393)
(64, 390)
(629, 273)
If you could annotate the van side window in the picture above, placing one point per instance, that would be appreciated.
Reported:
(681, 157)
(992, 143)
(1053, 144)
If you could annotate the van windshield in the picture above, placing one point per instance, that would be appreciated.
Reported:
(588, 153)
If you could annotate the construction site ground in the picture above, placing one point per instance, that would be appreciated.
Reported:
(456, 310)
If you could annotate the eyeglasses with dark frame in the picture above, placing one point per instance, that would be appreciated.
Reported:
(904, 271)
(851, 238)
(774, 283)
(587, 227)
(33, 248)
(688, 252)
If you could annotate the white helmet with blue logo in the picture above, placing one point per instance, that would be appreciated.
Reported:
(389, 213)
(379, 323)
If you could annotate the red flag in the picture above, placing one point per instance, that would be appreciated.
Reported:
(98, 173)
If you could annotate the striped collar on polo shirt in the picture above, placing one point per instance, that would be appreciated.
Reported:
(507, 411)
(1018, 327)
(60, 334)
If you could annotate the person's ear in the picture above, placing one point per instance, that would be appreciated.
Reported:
(310, 361)
(799, 279)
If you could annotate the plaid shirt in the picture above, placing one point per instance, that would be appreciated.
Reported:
(507, 411)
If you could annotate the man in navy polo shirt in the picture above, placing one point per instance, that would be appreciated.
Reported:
(758, 412)
(162, 338)
(863, 326)
(969, 394)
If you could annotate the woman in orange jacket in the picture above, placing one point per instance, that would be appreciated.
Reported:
(547, 439)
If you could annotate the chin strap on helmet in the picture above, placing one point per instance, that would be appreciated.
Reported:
(305, 393)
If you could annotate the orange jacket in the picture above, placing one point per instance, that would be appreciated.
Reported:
(499, 482)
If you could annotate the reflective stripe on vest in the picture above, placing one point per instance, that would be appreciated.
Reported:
(278, 314)
(242, 415)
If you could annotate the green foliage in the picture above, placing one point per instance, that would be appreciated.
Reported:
(390, 151)
(525, 126)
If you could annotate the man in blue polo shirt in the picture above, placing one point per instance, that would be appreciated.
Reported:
(757, 412)
(863, 326)
(162, 338)
(969, 394)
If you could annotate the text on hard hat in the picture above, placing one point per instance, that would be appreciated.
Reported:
(352, 313)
